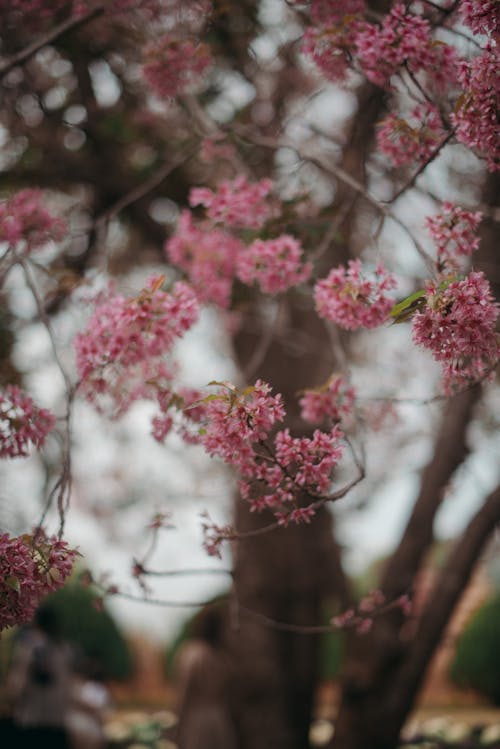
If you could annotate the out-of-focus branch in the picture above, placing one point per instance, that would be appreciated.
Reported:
(450, 585)
(62, 488)
(143, 189)
(343, 176)
(51, 36)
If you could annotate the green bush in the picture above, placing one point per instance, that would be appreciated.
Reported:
(332, 646)
(91, 629)
(477, 657)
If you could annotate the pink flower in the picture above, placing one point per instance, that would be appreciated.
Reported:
(457, 325)
(31, 566)
(482, 16)
(476, 116)
(120, 353)
(454, 232)
(334, 400)
(21, 423)
(237, 203)
(237, 427)
(208, 256)
(353, 300)
(214, 535)
(181, 410)
(310, 460)
(174, 65)
(23, 219)
(275, 264)
(404, 39)
(406, 140)
(234, 421)
(329, 47)
(216, 148)
(330, 11)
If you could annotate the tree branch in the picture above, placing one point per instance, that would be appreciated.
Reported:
(447, 591)
(51, 36)
(449, 452)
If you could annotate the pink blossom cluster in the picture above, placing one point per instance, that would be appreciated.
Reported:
(310, 460)
(185, 403)
(126, 339)
(482, 16)
(175, 65)
(413, 138)
(31, 566)
(235, 421)
(22, 423)
(275, 264)
(331, 11)
(334, 400)
(378, 415)
(276, 478)
(214, 535)
(213, 258)
(373, 604)
(208, 256)
(352, 299)
(237, 426)
(477, 115)
(454, 233)
(237, 203)
(216, 148)
(360, 618)
(330, 46)
(23, 219)
(404, 39)
(457, 325)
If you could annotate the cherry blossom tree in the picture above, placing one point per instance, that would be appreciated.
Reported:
(317, 245)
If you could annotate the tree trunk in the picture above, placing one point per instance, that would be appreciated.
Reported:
(284, 575)
(287, 577)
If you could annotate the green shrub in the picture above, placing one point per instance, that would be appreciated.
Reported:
(477, 657)
(332, 646)
(91, 629)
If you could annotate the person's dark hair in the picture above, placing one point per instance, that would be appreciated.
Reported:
(47, 621)
(209, 626)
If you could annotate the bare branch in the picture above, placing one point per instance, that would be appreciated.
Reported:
(51, 36)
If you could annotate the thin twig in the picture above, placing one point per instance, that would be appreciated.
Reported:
(139, 192)
(333, 497)
(187, 571)
(422, 166)
(51, 36)
(347, 179)
(62, 487)
(265, 342)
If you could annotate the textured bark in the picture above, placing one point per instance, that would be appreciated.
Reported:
(284, 575)
(447, 590)
(373, 659)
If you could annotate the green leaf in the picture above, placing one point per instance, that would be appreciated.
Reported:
(14, 583)
(206, 399)
(223, 384)
(405, 309)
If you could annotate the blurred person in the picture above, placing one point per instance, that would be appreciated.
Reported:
(39, 684)
(89, 703)
(202, 672)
